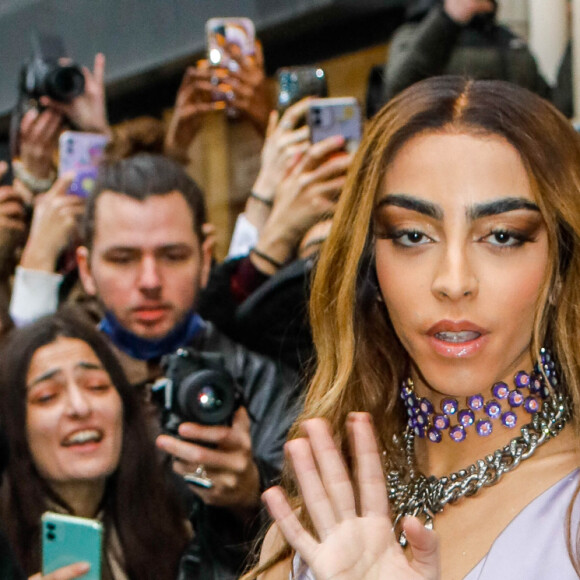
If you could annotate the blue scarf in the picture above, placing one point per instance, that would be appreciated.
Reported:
(147, 349)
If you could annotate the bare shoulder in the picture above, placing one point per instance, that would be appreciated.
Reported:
(273, 542)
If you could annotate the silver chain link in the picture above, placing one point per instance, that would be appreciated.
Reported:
(423, 497)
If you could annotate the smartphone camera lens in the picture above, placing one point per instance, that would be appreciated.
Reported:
(51, 526)
(51, 536)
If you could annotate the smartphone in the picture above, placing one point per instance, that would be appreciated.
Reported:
(81, 153)
(223, 31)
(70, 539)
(297, 82)
(335, 116)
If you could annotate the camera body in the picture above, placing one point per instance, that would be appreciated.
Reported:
(45, 74)
(196, 388)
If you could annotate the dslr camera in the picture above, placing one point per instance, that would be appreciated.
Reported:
(44, 75)
(196, 388)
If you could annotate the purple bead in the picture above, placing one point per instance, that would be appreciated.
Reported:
(522, 379)
(493, 409)
(434, 435)
(500, 391)
(419, 432)
(466, 418)
(531, 405)
(509, 419)
(426, 406)
(535, 384)
(544, 392)
(421, 419)
(449, 406)
(457, 433)
(411, 422)
(405, 392)
(484, 428)
(516, 399)
(411, 403)
(475, 402)
(441, 422)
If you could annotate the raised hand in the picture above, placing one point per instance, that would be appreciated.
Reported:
(88, 111)
(56, 216)
(351, 517)
(249, 91)
(38, 141)
(307, 195)
(192, 102)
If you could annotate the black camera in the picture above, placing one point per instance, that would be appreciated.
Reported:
(45, 75)
(196, 388)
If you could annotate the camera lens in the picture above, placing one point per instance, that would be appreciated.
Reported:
(207, 397)
(65, 83)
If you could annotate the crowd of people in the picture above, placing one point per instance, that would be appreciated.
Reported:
(379, 381)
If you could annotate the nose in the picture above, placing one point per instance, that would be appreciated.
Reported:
(149, 278)
(78, 402)
(455, 278)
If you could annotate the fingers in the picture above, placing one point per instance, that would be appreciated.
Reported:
(368, 466)
(99, 69)
(318, 152)
(60, 186)
(67, 573)
(294, 113)
(288, 523)
(424, 546)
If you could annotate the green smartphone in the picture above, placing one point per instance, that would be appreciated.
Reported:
(70, 539)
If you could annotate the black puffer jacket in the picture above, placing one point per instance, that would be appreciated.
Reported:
(273, 398)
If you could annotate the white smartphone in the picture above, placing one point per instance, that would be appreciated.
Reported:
(70, 539)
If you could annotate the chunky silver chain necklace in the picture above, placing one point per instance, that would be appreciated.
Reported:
(423, 497)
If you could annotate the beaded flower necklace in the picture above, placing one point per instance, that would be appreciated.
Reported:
(414, 494)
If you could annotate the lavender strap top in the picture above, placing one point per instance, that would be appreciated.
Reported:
(533, 546)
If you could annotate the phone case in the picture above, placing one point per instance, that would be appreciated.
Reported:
(335, 116)
(222, 31)
(81, 153)
(297, 82)
(69, 539)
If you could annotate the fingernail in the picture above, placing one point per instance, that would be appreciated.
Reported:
(84, 567)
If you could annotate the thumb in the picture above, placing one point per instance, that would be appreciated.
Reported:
(61, 185)
(424, 547)
(241, 420)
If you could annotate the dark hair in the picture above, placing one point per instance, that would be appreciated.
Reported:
(138, 503)
(139, 177)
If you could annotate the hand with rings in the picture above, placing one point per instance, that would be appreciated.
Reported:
(224, 474)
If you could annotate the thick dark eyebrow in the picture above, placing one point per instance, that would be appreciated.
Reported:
(499, 206)
(51, 373)
(413, 203)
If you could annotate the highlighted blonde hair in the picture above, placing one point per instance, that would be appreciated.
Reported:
(360, 361)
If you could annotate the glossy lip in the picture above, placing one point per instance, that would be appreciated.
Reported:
(454, 349)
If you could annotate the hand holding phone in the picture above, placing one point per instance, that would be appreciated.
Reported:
(222, 34)
(70, 540)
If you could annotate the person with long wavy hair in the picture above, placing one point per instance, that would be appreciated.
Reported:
(439, 433)
(80, 444)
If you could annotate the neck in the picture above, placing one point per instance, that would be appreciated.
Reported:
(448, 455)
(148, 349)
(82, 497)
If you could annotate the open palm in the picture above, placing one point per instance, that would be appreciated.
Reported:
(354, 543)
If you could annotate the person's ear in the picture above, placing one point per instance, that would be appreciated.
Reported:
(83, 261)
(207, 249)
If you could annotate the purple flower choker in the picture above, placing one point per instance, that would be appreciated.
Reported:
(476, 412)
